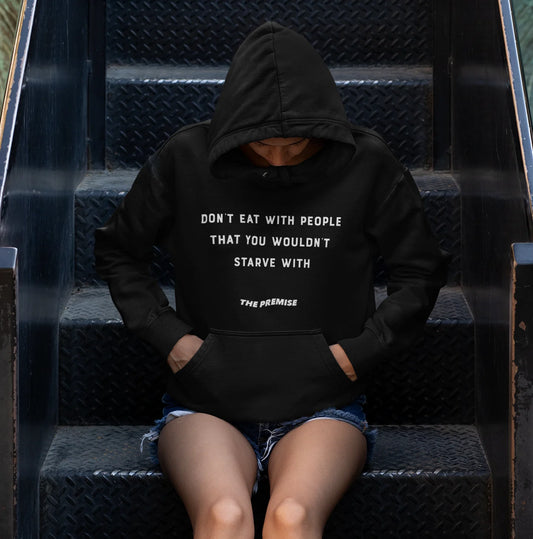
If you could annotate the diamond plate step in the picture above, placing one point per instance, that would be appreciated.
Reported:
(146, 104)
(424, 482)
(108, 376)
(209, 31)
(100, 193)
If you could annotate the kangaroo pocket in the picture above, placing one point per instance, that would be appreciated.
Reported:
(242, 376)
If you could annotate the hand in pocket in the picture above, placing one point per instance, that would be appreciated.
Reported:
(183, 351)
(344, 363)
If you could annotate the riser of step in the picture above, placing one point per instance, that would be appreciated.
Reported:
(108, 376)
(99, 194)
(145, 105)
(426, 481)
(209, 32)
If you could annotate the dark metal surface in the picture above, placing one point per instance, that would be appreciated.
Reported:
(13, 89)
(146, 105)
(208, 32)
(426, 481)
(95, 202)
(47, 154)
(96, 84)
(100, 193)
(441, 85)
(495, 213)
(522, 392)
(8, 391)
(109, 377)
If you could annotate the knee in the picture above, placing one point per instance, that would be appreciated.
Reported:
(228, 515)
(289, 516)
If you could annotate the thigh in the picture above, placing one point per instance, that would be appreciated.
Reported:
(207, 460)
(315, 464)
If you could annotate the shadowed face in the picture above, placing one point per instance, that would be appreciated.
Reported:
(280, 152)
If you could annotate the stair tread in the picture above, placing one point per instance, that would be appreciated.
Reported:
(119, 181)
(367, 31)
(101, 191)
(425, 480)
(402, 451)
(141, 112)
(121, 377)
(183, 74)
(93, 303)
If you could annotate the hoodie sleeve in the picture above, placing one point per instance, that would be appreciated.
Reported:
(123, 252)
(417, 269)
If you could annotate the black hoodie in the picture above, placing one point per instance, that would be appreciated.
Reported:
(273, 264)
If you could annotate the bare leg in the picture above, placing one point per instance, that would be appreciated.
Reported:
(213, 468)
(309, 470)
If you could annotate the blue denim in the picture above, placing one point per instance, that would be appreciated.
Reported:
(264, 436)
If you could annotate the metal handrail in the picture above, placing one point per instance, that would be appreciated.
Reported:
(14, 86)
(521, 305)
(518, 87)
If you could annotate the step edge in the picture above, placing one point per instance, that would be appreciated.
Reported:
(186, 74)
(121, 178)
(51, 467)
(101, 293)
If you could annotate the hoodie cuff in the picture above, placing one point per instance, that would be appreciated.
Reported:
(165, 331)
(364, 352)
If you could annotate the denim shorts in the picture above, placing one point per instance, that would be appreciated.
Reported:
(264, 436)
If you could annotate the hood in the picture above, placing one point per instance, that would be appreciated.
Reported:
(277, 86)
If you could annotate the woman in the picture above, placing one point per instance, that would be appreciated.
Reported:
(273, 213)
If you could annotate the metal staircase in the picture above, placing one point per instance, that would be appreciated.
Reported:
(165, 64)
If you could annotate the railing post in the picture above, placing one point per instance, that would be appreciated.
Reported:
(521, 391)
(8, 390)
